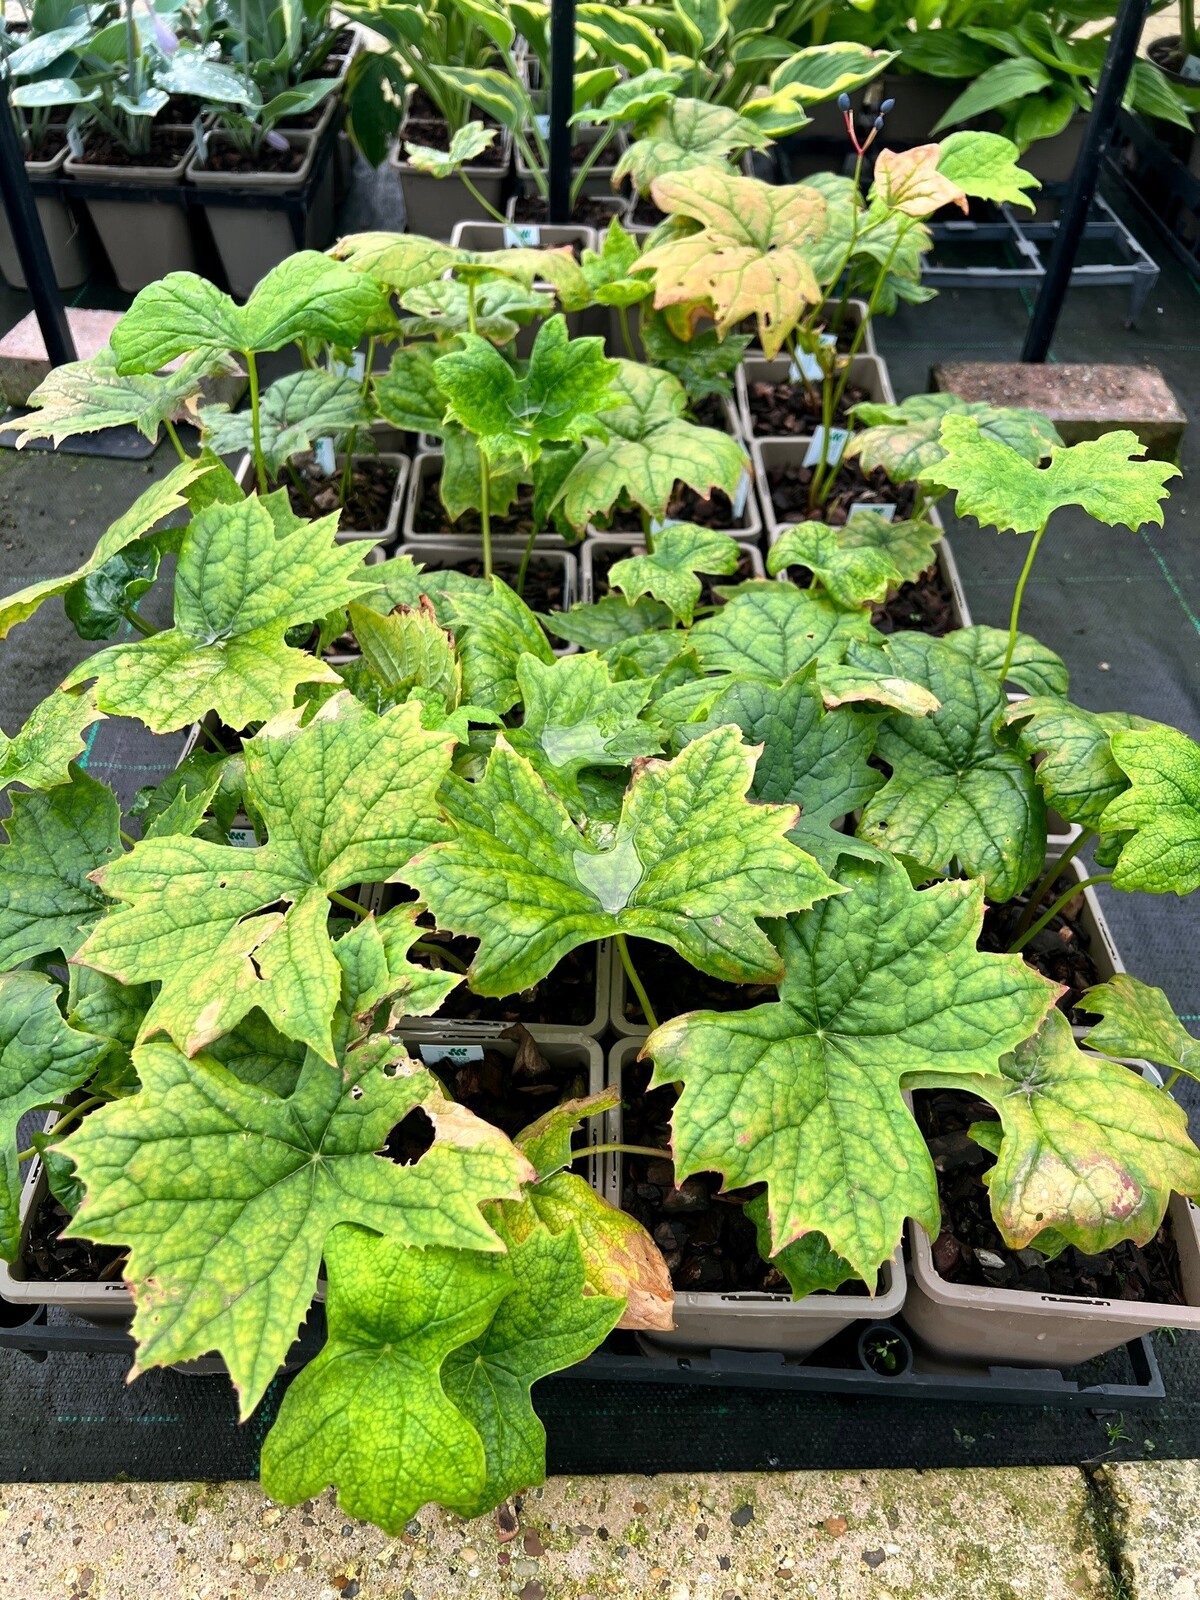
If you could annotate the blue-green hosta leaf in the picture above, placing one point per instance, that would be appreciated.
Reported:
(691, 865)
(1078, 773)
(576, 718)
(369, 1414)
(805, 1094)
(649, 448)
(244, 577)
(557, 397)
(41, 1060)
(226, 1195)
(56, 841)
(770, 630)
(346, 798)
(308, 296)
(852, 575)
(1161, 808)
(1138, 1022)
(294, 411)
(684, 134)
(957, 796)
(468, 142)
(39, 754)
(668, 572)
(1001, 489)
(89, 396)
(1034, 667)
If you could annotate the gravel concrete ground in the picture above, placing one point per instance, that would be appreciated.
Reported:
(1153, 1515)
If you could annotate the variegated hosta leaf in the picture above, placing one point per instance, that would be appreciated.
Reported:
(648, 448)
(246, 573)
(56, 841)
(684, 134)
(1001, 489)
(295, 410)
(770, 630)
(905, 439)
(805, 1094)
(1034, 667)
(494, 630)
(958, 798)
(691, 864)
(751, 256)
(1161, 808)
(467, 143)
(668, 572)
(39, 754)
(41, 1060)
(90, 396)
(1138, 1021)
(346, 799)
(852, 575)
(635, 96)
(1089, 1150)
(226, 1195)
(576, 719)
(824, 71)
(1078, 773)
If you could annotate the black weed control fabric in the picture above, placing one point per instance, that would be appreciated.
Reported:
(1122, 608)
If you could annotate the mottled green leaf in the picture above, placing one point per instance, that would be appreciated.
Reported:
(985, 166)
(90, 396)
(704, 364)
(1161, 808)
(908, 545)
(407, 648)
(809, 1265)
(684, 134)
(398, 261)
(600, 624)
(442, 310)
(608, 272)
(1034, 667)
(494, 628)
(852, 575)
(41, 752)
(1138, 1022)
(1078, 773)
(668, 572)
(469, 141)
(770, 630)
(905, 439)
(408, 395)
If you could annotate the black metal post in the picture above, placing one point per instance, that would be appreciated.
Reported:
(29, 239)
(562, 93)
(1072, 218)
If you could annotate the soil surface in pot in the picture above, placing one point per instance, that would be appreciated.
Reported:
(224, 156)
(707, 1241)
(673, 986)
(372, 485)
(589, 211)
(49, 1259)
(713, 510)
(168, 147)
(543, 577)
(430, 515)
(1060, 952)
(646, 214)
(969, 1248)
(604, 559)
(426, 125)
(852, 490)
(47, 147)
(784, 409)
(924, 606)
(711, 413)
(510, 1092)
(566, 997)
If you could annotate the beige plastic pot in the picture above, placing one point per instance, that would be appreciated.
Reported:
(599, 178)
(749, 1321)
(143, 240)
(70, 255)
(867, 372)
(449, 550)
(612, 205)
(537, 236)
(769, 453)
(427, 466)
(384, 535)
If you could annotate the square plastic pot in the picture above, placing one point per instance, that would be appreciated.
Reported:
(432, 206)
(143, 239)
(768, 453)
(736, 1320)
(385, 535)
(67, 243)
(614, 205)
(746, 528)
(598, 182)
(597, 544)
(428, 465)
(538, 236)
(447, 549)
(867, 372)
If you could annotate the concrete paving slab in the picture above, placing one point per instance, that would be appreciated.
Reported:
(1153, 1514)
(1010, 1534)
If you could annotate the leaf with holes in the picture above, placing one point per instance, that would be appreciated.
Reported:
(668, 572)
(852, 575)
(295, 410)
(346, 799)
(771, 630)
(905, 440)
(1161, 808)
(958, 795)
(683, 134)
(39, 755)
(1034, 667)
(691, 864)
(90, 396)
(1078, 773)
(1137, 1021)
(805, 1094)
(751, 255)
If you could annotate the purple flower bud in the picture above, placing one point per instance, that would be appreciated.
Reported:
(276, 141)
(878, 124)
(886, 107)
(168, 42)
(843, 102)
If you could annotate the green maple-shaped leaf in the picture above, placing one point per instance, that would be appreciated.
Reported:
(691, 864)
(545, 1323)
(89, 396)
(369, 1414)
(805, 1095)
(408, 395)
(1001, 489)
(957, 794)
(648, 449)
(684, 134)
(576, 718)
(1034, 667)
(56, 841)
(908, 545)
(226, 1194)
(1078, 773)
(494, 629)
(502, 307)
(609, 273)
(905, 440)
(852, 575)
(750, 256)
(668, 572)
(815, 759)
(294, 411)
(514, 413)
(771, 630)
(408, 648)
(1089, 1150)
(985, 165)
(1138, 1022)
(247, 573)
(398, 261)
(468, 142)
(346, 798)
(41, 1059)
(1161, 808)
(809, 1265)
(609, 621)
(705, 364)
(41, 752)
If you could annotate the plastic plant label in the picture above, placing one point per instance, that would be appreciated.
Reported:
(522, 235)
(457, 1055)
(325, 456)
(542, 121)
(75, 143)
(354, 368)
(838, 440)
(741, 495)
(807, 365)
(657, 524)
(1191, 69)
(888, 513)
(242, 836)
(200, 136)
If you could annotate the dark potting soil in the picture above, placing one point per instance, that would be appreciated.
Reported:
(515, 523)
(543, 589)
(969, 1248)
(852, 490)
(426, 126)
(309, 118)
(606, 558)
(508, 1092)
(47, 147)
(372, 484)
(224, 156)
(589, 211)
(673, 986)
(713, 510)
(646, 214)
(182, 109)
(711, 413)
(49, 1259)
(786, 409)
(167, 149)
(566, 997)
(924, 606)
(1060, 952)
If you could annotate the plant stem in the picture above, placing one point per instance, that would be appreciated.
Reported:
(71, 1114)
(438, 952)
(260, 466)
(626, 336)
(1047, 883)
(126, 838)
(213, 740)
(647, 531)
(485, 513)
(136, 620)
(1077, 888)
(589, 161)
(347, 469)
(625, 1150)
(174, 438)
(1015, 614)
(635, 981)
(524, 567)
(347, 904)
(496, 216)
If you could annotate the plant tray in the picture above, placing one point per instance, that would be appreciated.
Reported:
(1164, 189)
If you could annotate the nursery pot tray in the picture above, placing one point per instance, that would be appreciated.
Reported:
(427, 468)
(868, 373)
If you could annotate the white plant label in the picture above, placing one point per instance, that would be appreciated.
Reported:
(200, 137)
(354, 368)
(457, 1055)
(741, 494)
(807, 365)
(242, 837)
(542, 122)
(325, 457)
(522, 235)
(839, 438)
(1191, 69)
(869, 508)
(657, 524)
(75, 143)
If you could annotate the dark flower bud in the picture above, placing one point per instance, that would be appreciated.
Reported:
(878, 124)
(843, 102)
(886, 107)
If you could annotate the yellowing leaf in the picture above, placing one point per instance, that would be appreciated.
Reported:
(909, 181)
